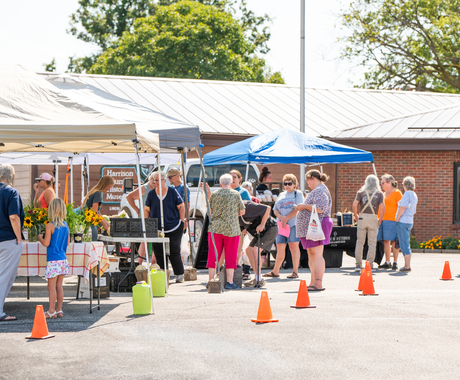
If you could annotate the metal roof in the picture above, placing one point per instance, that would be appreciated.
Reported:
(440, 123)
(218, 107)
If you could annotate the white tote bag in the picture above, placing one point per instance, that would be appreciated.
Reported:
(315, 232)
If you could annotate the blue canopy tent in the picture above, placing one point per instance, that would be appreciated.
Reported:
(286, 146)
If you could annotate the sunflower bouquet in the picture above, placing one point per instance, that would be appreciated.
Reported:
(35, 220)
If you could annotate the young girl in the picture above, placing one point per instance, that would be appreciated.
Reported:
(56, 238)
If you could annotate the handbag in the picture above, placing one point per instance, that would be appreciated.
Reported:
(315, 232)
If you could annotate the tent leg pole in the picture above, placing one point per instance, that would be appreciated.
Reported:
(141, 207)
(184, 178)
(144, 233)
(247, 172)
(71, 180)
(209, 216)
(375, 171)
(162, 226)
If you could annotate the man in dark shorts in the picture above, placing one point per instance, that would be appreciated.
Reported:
(255, 221)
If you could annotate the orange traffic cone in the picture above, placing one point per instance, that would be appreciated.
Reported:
(303, 301)
(446, 275)
(361, 280)
(264, 315)
(368, 267)
(40, 328)
(368, 288)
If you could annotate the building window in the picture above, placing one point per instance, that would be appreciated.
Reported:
(457, 193)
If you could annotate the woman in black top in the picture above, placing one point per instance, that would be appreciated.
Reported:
(265, 176)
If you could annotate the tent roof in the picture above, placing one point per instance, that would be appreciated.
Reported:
(285, 146)
(35, 116)
(173, 132)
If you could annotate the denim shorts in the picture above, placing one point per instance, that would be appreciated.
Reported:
(404, 237)
(387, 230)
(280, 239)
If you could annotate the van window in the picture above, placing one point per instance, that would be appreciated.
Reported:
(214, 172)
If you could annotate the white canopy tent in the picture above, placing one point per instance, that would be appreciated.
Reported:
(36, 117)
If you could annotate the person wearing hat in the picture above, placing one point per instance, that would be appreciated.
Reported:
(176, 182)
(45, 182)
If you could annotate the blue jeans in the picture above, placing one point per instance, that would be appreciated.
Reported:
(403, 230)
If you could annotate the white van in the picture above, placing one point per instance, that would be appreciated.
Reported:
(197, 207)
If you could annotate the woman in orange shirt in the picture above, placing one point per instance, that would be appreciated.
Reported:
(45, 182)
(387, 229)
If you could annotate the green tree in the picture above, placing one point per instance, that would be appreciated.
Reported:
(405, 44)
(50, 67)
(186, 40)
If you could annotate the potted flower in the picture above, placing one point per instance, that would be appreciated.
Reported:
(35, 220)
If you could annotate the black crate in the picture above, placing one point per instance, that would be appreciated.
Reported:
(118, 284)
(132, 227)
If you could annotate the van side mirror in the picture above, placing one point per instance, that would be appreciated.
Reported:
(128, 185)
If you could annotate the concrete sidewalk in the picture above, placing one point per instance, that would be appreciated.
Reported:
(409, 331)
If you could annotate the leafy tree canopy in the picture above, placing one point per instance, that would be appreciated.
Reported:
(405, 43)
(186, 40)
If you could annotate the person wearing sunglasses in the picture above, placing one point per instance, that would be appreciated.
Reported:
(286, 213)
(176, 182)
(173, 219)
(320, 197)
(387, 230)
(45, 182)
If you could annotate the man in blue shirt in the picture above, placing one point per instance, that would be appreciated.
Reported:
(176, 181)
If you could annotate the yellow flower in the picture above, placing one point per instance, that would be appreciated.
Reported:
(46, 222)
(28, 222)
(88, 218)
(88, 212)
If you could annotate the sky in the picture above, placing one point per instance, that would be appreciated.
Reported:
(33, 32)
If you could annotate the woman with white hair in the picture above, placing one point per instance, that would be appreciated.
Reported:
(407, 207)
(11, 222)
(370, 199)
(226, 206)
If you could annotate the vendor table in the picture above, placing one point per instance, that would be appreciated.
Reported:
(133, 250)
(82, 258)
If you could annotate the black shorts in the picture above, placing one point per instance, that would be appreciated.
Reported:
(268, 238)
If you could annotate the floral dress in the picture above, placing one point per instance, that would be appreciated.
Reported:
(320, 197)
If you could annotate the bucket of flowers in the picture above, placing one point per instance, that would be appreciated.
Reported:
(35, 220)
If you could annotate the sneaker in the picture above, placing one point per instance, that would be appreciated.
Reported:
(231, 286)
(385, 265)
(404, 269)
(358, 268)
(395, 266)
(253, 283)
(180, 278)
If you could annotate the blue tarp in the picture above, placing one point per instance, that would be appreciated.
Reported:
(286, 146)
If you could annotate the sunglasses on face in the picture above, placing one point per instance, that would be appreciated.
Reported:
(287, 183)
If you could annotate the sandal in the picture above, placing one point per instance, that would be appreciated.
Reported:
(60, 314)
(293, 275)
(50, 316)
(246, 276)
(7, 318)
(270, 274)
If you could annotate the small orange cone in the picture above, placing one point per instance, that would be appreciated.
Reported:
(40, 328)
(368, 267)
(446, 275)
(368, 288)
(361, 280)
(264, 315)
(303, 301)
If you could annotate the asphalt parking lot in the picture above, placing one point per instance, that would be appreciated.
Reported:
(410, 330)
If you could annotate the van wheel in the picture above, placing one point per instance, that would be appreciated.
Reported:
(128, 211)
(198, 232)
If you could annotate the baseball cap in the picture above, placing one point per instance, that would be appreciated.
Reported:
(172, 172)
(44, 176)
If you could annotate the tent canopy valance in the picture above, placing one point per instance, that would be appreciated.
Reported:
(286, 146)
